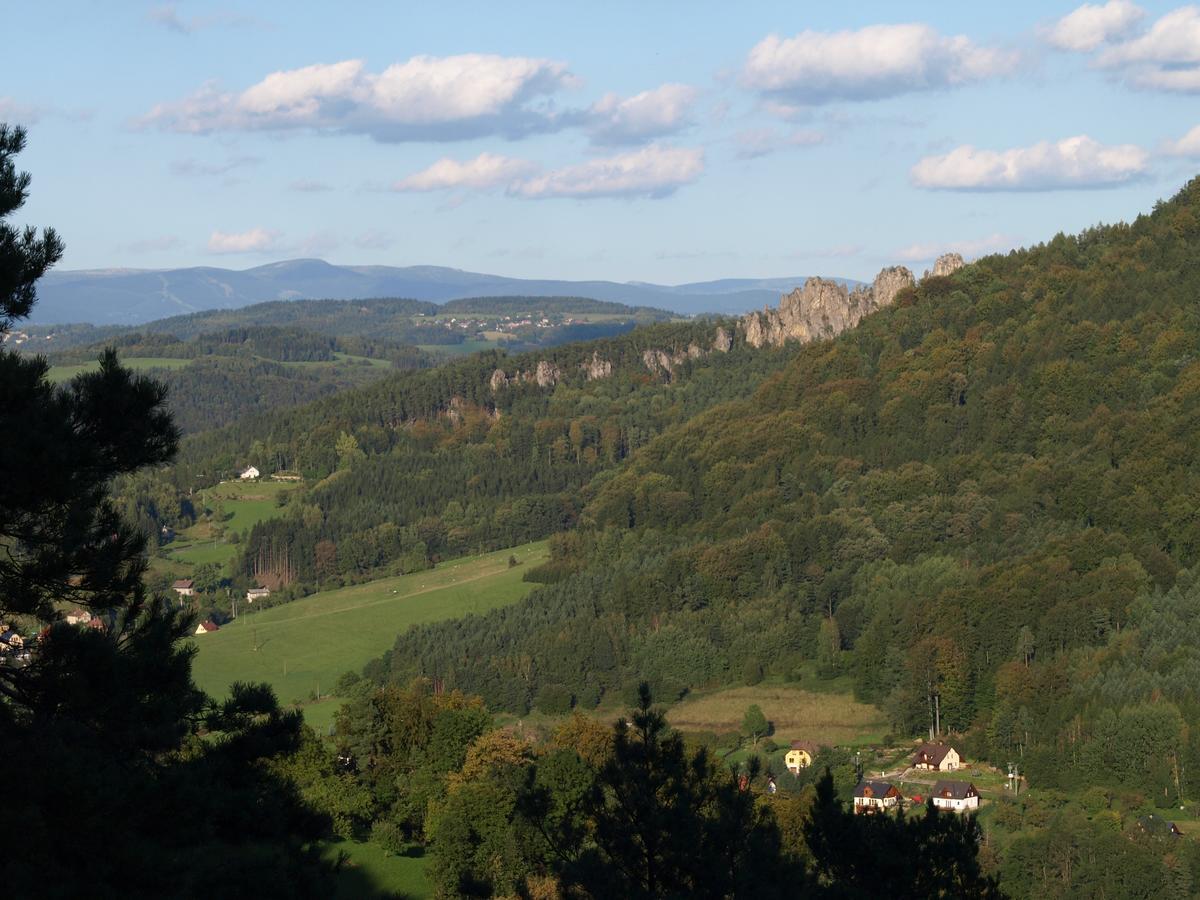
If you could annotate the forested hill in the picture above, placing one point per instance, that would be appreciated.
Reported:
(389, 318)
(970, 503)
(486, 451)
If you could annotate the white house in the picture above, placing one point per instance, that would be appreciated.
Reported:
(206, 626)
(248, 473)
(184, 587)
(257, 593)
(875, 796)
(941, 757)
(957, 796)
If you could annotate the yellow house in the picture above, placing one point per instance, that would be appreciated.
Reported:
(800, 756)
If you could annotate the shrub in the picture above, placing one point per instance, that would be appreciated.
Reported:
(554, 700)
(752, 672)
(389, 837)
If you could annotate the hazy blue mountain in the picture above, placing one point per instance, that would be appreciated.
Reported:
(134, 296)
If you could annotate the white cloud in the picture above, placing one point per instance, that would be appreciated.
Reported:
(1165, 57)
(650, 114)
(481, 173)
(256, 240)
(755, 142)
(1173, 39)
(1075, 162)
(424, 98)
(1188, 145)
(653, 171)
(927, 252)
(1089, 26)
(872, 63)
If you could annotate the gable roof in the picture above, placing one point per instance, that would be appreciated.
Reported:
(182, 583)
(954, 790)
(809, 747)
(1157, 825)
(932, 754)
(210, 625)
(874, 789)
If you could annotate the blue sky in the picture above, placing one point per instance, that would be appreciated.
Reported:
(664, 142)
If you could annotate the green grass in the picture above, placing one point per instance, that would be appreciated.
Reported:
(371, 873)
(344, 358)
(247, 504)
(319, 716)
(205, 552)
(137, 363)
(305, 645)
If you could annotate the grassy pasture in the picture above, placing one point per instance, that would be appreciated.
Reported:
(137, 363)
(371, 873)
(305, 645)
(245, 504)
(795, 712)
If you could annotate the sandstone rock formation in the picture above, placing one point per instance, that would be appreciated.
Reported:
(596, 367)
(545, 375)
(822, 309)
(722, 341)
(946, 264)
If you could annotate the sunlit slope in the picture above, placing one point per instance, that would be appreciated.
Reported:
(302, 647)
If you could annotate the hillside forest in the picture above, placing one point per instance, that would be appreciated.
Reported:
(976, 510)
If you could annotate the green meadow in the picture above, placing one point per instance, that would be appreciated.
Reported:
(244, 505)
(137, 363)
(369, 872)
(301, 648)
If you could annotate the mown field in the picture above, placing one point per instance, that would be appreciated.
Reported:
(795, 712)
(301, 648)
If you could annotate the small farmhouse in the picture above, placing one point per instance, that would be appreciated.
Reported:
(78, 617)
(257, 593)
(874, 796)
(184, 587)
(957, 796)
(206, 626)
(800, 756)
(248, 473)
(1158, 826)
(940, 757)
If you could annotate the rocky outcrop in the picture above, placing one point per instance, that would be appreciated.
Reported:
(546, 374)
(658, 361)
(596, 367)
(722, 341)
(822, 309)
(946, 264)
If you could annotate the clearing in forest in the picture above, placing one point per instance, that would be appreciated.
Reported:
(795, 713)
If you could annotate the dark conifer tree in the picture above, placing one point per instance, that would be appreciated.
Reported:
(109, 789)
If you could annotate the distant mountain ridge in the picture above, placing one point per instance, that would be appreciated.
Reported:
(135, 296)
